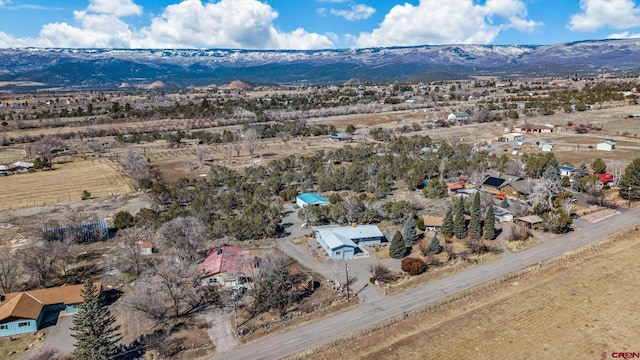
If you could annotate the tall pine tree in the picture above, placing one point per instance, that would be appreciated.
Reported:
(447, 224)
(489, 230)
(459, 223)
(409, 233)
(397, 249)
(93, 327)
(474, 223)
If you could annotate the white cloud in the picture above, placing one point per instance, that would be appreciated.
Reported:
(447, 22)
(227, 24)
(187, 24)
(624, 35)
(617, 14)
(118, 8)
(356, 12)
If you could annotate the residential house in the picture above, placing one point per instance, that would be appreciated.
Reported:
(27, 311)
(453, 188)
(513, 136)
(308, 199)
(606, 145)
(228, 266)
(342, 242)
(506, 185)
(566, 170)
(433, 223)
(458, 116)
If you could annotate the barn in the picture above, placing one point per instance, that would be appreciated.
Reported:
(341, 242)
(308, 199)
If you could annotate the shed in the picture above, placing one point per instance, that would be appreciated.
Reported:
(606, 145)
(530, 222)
(308, 199)
(341, 242)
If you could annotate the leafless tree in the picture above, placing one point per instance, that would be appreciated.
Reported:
(228, 150)
(190, 164)
(543, 192)
(381, 272)
(40, 259)
(134, 164)
(283, 136)
(567, 205)
(515, 167)
(251, 140)
(170, 290)
(130, 259)
(616, 168)
(65, 252)
(201, 155)
(9, 267)
(46, 353)
(237, 147)
(184, 235)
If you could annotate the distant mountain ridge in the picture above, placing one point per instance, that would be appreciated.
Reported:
(110, 68)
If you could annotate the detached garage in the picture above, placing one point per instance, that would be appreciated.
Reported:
(341, 242)
(308, 199)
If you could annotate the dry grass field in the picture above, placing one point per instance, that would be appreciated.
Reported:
(573, 309)
(100, 177)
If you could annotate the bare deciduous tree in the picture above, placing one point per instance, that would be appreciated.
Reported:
(616, 168)
(251, 140)
(170, 290)
(134, 164)
(65, 252)
(9, 266)
(184, 235)
(40, 259)
(130, 259)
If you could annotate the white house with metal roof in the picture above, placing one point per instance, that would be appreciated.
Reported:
(307, 199)
(341, 242)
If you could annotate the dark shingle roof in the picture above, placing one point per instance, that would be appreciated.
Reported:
(493, 182)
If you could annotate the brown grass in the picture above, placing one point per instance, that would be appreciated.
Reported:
(15, 347)
(101, 177)
(575, 308)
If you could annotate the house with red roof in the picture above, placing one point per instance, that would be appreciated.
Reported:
(228, 266)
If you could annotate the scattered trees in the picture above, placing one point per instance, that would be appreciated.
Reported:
(9, 266)
(435, 189)
(557, 221)
(273, 284)
(630, 182)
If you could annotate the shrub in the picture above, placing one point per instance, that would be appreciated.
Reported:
(519, 233)
(86, 195)
(123, 219)
(413, 266)
(381, 273)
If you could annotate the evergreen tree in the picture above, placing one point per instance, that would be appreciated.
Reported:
(598, 166)
(489, 230)
(409, 233)
(93, 327)
(631, 181)
(474, 223)
(580, 172)
(397, 249)
(447, 224)
(435, 189)
(459, 224)
(554, 184)
(504, 203)
(434, 245)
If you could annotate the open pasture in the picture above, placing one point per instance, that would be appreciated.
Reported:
(100, 177)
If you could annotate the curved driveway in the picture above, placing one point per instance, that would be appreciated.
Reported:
(374, 312)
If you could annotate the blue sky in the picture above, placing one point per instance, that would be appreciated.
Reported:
(310, 24)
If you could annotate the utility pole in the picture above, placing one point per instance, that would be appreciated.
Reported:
(629, 195)
(346, 269)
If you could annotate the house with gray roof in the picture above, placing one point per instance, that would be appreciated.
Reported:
(342, 242)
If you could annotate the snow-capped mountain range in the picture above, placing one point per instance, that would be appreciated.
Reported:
(109, 68)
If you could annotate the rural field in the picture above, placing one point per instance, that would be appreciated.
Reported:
(101, 177)
(572, 309)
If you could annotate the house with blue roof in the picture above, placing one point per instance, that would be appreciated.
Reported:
(342, 242)
(308, 199)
